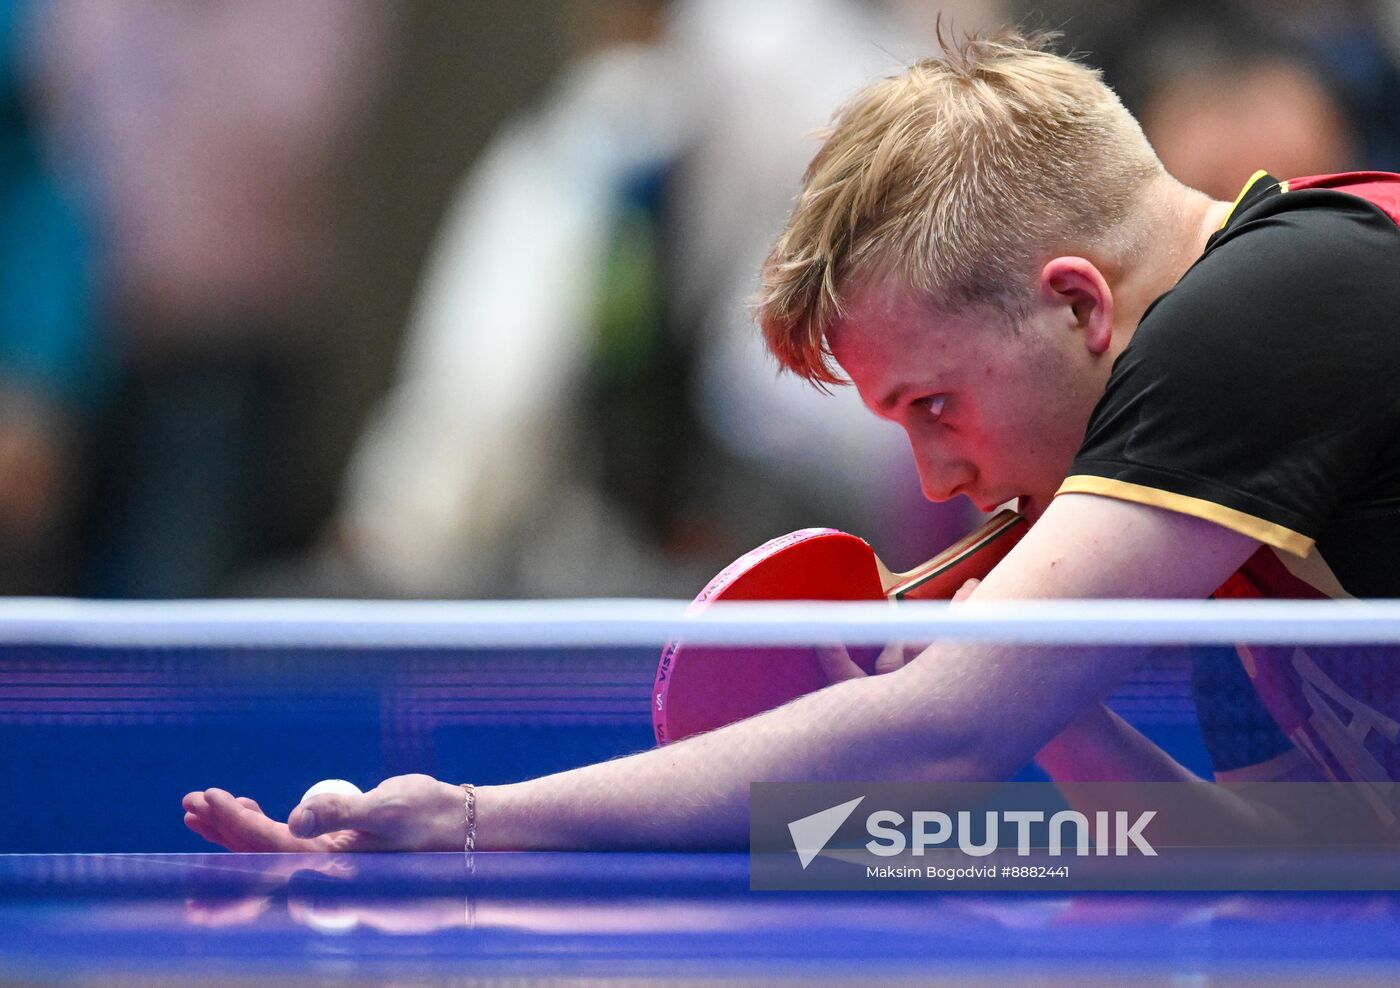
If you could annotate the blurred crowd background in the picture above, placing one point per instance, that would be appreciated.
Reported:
(451, 298)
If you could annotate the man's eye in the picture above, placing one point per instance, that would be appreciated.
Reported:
(932, 406)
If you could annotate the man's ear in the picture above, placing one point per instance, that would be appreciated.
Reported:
(1077, 285)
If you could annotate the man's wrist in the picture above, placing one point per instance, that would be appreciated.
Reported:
(468, 817)
(442, 823)
(489, 805)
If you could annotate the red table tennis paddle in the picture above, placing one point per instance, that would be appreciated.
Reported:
(701, 688)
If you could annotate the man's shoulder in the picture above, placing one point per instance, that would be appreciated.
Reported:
(1286, 267)
(1326, 221)
(1259, 392)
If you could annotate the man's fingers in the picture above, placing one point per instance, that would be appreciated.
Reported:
(893, 656)
(242, 829)
(216, 819)
(223, 820)
(223, 913)
(195, 802)
(239, 824)
(965, 591)
(837, 663)
(198, 826)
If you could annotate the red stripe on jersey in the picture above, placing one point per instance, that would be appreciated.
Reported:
(1382, 189)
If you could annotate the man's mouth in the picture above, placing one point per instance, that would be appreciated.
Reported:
(1031, 507)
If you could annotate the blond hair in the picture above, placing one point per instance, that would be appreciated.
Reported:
(953, 176)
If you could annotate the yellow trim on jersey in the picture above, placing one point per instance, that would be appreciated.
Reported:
(1313, 570)
(1244, 192)
(1237, 521)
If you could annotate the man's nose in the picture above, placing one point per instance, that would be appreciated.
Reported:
(941, 476)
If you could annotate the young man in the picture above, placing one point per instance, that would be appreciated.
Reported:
(1185, 393)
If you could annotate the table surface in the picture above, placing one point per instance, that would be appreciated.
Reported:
(150, 919)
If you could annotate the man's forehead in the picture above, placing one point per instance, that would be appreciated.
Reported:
(883, 299)
(874, 320)
(895, 324)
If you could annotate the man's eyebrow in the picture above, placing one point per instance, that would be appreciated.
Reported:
(891, 398)
(898, 392)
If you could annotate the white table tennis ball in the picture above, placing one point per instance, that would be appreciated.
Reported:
(324, 922)
(332, 787)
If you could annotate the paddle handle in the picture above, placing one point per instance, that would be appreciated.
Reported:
(970, 558)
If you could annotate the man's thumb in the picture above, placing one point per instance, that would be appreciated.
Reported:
(837, 663)
(325, 814)
(965, 591)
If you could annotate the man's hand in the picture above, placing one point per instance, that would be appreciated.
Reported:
(405, 813)
(837, 663)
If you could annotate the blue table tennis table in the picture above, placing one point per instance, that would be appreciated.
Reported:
(426, 918)
(103, 732)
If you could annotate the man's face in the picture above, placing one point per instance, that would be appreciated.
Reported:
(990, 412)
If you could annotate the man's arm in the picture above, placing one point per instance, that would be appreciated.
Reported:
(1248, 803)
(959, 712)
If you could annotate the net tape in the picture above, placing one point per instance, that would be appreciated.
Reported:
(566, 623)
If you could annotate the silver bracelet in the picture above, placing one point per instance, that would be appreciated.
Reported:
(469, 807)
